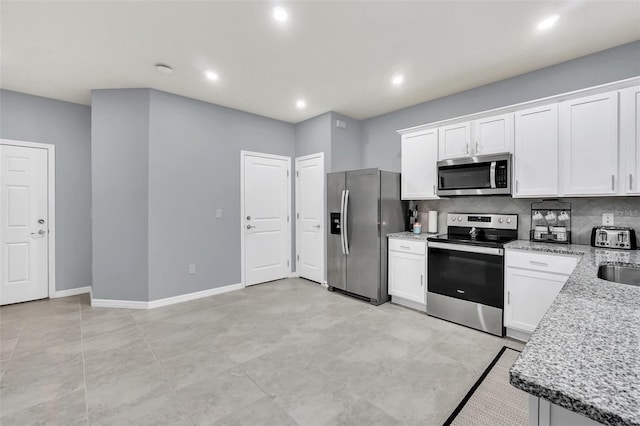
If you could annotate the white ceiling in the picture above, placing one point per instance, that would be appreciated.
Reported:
(338, 56)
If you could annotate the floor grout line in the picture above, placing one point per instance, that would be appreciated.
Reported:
(84, 368)
(164, 374)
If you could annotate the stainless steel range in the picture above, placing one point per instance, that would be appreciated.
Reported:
(466, 270)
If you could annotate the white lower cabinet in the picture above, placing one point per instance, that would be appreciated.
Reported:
(532, 282)
(408, 273)
(544, 413)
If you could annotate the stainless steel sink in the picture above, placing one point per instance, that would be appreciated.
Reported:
(620, 274)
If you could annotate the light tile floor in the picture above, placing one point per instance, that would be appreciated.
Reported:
(282, 353)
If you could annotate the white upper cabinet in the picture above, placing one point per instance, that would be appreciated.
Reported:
(418, 165)
(630, 141)
(492, 135)
(536, 152)
(589, 145)
(454, 141)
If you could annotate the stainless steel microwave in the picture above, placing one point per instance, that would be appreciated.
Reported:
(483, 175)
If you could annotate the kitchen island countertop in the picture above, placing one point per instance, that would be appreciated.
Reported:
(585, 353)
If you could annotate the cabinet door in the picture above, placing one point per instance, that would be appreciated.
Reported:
(454, 141)
(528, 295)
(419, 170)
(589, 145)
(407, 278)
(535, 157)
(493, 135)
(630, 141)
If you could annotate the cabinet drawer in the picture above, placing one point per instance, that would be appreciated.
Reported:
(559, 264)
(407, 246)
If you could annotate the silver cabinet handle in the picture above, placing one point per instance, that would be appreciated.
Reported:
(250, 226)
(316, 226)
(508, 297)
(477, 149)
(405, 247)
(467, 148)
(533, 262)
(434, 190)
(630, 181)
(421, 280)
(516, 186)
(613, 182)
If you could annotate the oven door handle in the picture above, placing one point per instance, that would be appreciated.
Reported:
(469, 249)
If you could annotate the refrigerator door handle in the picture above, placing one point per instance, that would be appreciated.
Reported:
(342, 221)
(345, 216)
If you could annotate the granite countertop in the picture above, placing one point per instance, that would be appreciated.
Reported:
(585, 353)
(411, 236)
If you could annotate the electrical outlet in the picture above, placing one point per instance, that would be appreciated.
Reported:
(192, 269)
(218, 213)
(607, 219)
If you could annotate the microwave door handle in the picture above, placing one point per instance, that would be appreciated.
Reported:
(492, 174)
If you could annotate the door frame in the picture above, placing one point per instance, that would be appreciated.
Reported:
(319, 155)
(243, 155)
(51, 205)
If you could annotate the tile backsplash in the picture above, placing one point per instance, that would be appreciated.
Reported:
(586, 212)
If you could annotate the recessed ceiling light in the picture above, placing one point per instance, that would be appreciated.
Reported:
(397, 79)
(164, 69)
(212, 75)
(280, 14)
(547, 23)
(300, 104)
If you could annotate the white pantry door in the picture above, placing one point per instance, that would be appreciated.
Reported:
(266, 226)
(310, 217)
(24, 224)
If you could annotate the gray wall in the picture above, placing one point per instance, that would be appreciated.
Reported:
(67, 126)
(346, 146)
(313, 136)
(194, 169)
(381, 143)
(120, 170)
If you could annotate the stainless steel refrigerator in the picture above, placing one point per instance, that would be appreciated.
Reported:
(363, 207)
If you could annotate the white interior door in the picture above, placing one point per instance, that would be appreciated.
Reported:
(310, 217)
(24, 223)
(266, 227)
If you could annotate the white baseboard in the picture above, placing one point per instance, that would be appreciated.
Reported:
(294, 275)
(71, 292)
(132, 304)
(192, 296)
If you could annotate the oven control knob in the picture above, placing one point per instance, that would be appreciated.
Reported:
(508, 220)
(501, 220)
(453, 219)
(459, 218)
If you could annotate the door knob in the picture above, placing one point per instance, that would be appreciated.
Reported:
(40, 233)
(248, 217)
(250, 226)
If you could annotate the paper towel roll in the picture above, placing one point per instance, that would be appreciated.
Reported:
(433, 221)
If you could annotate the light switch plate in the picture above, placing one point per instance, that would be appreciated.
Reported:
(218, 213)
(192, 269)
(607, 219)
